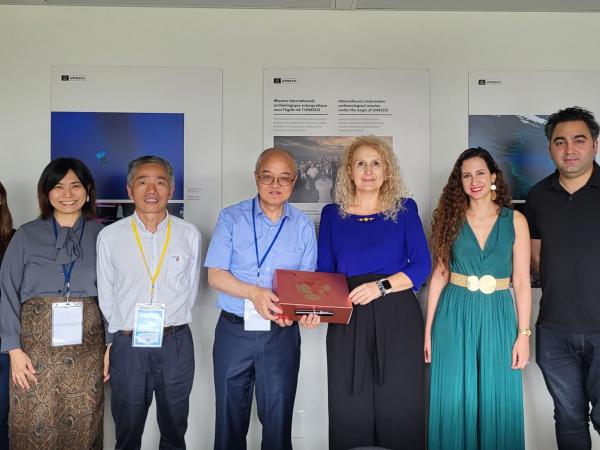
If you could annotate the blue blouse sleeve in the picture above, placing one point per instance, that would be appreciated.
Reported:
(326, 258)
(415, 244)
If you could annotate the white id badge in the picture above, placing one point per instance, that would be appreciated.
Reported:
(253, 321)
(67, 323)
(148, 325)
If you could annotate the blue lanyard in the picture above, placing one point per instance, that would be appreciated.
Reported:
(68, 268)
(260, 261)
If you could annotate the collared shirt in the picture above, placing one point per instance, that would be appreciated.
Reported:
(33, 267)
(123, 279)
(232, 247)
(569, 228)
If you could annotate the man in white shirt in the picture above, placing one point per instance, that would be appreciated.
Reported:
(148, 274)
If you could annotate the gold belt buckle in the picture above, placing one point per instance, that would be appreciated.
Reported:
(485, 284)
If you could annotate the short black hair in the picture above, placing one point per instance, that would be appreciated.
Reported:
(572, 114)
(56, 171)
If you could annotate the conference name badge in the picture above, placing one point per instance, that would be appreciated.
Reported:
(253, 321)
(67, 323)
(148, 325)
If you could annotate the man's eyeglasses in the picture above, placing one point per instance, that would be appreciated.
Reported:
(270, 179)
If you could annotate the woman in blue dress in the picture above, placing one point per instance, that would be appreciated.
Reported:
(375, 369)
(476, 345)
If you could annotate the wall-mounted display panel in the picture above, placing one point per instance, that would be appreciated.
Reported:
(107, 116)
(316, 113)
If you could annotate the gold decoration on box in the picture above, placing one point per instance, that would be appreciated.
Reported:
(312, 290)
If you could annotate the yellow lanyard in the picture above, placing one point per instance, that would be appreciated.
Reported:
(162, 255)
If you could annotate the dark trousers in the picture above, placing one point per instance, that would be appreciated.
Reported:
(4, 377)
(375, 373)
(244, 360)
(138, 373)
(570, 363)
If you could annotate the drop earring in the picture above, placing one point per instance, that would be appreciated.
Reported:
(493, 188)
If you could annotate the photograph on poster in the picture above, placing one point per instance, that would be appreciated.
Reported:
(318, 159)
(107, 141)
(519, 146)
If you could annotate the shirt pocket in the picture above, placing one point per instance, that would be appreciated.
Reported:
(179, 267)
(288, 258)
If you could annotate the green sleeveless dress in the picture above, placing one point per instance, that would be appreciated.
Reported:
(476, 399)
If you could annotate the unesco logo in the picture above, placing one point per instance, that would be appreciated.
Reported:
(72, 78)
(482, 82)
(285, 81)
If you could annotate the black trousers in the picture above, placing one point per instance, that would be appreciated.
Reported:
(245, 360)
(375, 372)
(136, 374)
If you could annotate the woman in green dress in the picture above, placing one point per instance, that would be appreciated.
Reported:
(476, 345)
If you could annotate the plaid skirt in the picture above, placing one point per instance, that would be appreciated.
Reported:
(65, 409)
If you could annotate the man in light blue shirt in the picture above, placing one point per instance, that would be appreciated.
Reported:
(250, 241)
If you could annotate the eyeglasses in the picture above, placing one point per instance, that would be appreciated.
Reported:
(270, 179)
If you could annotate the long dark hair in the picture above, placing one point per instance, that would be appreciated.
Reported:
(6, 222)
(450, 214)
(56, 171)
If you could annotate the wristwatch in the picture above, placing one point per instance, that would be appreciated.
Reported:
(384, 285)
(525, 331)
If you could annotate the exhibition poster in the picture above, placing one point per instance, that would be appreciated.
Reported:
(107, 116)
(316, 113)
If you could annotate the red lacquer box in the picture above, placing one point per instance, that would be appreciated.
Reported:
(301, 293)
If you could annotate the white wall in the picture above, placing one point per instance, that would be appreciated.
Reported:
(243, 42)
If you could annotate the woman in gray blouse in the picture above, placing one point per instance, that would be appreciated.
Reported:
(50, 322)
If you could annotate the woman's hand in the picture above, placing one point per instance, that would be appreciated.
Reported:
(364, 294)
(106, 371)
(427, 347)
(310, 321)
(520, 352)
(21, 369)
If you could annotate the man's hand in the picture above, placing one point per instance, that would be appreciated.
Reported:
(106, 371)
(265, 302)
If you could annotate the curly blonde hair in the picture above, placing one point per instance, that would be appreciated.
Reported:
(392, 193)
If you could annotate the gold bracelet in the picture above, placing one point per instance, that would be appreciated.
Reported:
(525, 332)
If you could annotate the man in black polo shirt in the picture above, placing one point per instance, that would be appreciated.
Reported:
(563, 211)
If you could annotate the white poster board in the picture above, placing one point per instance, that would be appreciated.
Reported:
(196, 93)
(315, 113)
